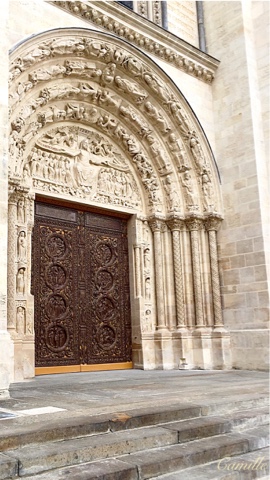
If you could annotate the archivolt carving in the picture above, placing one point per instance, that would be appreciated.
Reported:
(94, 80)
(169, 49)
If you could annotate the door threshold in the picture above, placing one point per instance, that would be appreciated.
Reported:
(83, 368)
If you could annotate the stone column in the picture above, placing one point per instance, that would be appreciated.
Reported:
(212, 224)
(176, 225)
(157, 226)
(194, 225)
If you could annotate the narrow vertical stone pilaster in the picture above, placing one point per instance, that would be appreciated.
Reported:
(11, 274)
(157, 226)
(194, 225)
(138, 268)
(176, 226)
(212, 224)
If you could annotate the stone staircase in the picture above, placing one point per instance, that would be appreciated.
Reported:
(226, 440)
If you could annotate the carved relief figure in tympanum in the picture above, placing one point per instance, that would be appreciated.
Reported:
(117, 187)
(20, 321)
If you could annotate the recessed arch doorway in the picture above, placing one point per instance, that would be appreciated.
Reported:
(97, 122)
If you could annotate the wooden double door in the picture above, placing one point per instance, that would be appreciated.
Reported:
(80, 283)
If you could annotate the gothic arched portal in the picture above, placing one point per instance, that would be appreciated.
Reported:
(96, 122)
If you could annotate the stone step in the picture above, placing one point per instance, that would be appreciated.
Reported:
(201, 427)
(240, 467)
(19, 432)
(233, 404)
(183, 424)
(179, 459)
(42, 457)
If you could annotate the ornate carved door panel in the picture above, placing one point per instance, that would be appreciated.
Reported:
(81, 288)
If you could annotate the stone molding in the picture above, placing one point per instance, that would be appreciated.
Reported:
(103, 92)
(140, 32)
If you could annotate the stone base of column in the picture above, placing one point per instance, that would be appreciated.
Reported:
(6, 362)
(202, 349)
(151, 353)
(24, 359)
(184, 350)
(168, 351)
(211, 349)
(222, 359)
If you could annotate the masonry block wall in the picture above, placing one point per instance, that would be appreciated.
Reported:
(234, 32)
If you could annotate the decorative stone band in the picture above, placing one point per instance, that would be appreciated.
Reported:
(162, 43)
(138, 267)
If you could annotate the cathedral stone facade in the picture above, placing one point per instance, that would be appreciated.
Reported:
(134, 186)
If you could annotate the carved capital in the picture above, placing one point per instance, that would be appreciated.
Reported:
(157, 224)
(15, 191)
(176, 223)
(213, 223)
(194, 223)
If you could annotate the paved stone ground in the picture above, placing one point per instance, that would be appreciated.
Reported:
(95, 393)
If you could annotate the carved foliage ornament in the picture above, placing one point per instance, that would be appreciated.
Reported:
(111, 25)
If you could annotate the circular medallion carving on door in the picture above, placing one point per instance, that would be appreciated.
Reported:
(104, 308)
(106, 337)
(56, 276)
(104, 280)
(104, 253)
(56, 337)
(56, 306)
(56, 246)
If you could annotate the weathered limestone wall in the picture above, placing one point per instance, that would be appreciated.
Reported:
(33, 16)
(182, 20)
(234, 30)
